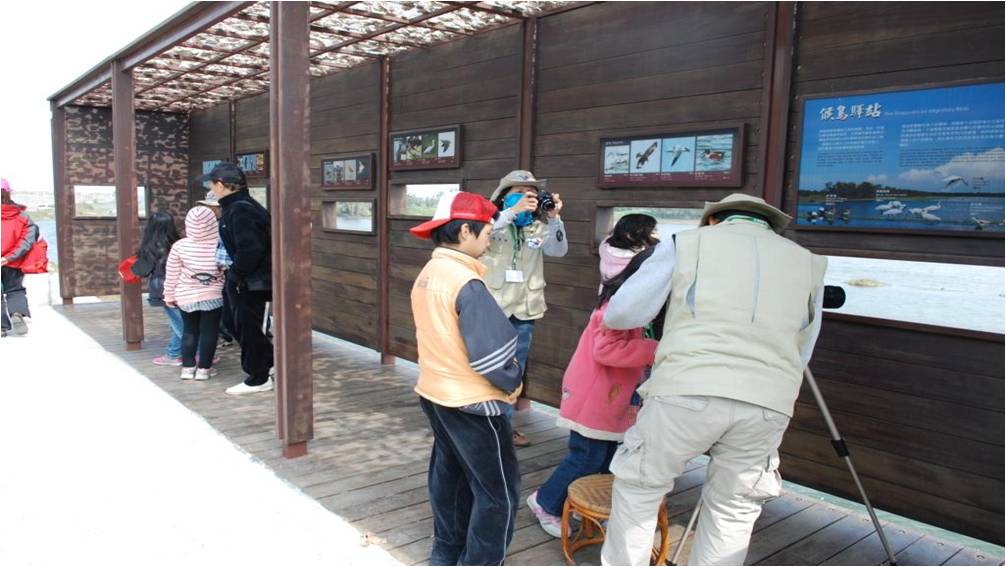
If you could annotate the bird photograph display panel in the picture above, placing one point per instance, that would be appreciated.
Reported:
(678, 155)
(644, 156)
(714, 153)
(352, 172)
(446, 145)
(616, 160)
(435, 148)
(685, 158)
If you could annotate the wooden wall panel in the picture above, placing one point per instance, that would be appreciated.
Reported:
(628, 68)
(475, 82)
(879, 45)
(211, 140)
(922, 411)
(162, 165)
(922, 408)
(344, 120)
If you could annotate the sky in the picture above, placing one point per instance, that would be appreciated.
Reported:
(46, 46)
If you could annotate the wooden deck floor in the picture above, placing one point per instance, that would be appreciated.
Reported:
(369, 457)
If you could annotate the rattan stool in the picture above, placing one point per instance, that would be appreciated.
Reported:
(590, 497)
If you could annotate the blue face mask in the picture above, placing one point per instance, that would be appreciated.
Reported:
(522, 219)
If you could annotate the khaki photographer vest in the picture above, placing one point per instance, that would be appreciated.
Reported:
(737, 316)
(524, 300)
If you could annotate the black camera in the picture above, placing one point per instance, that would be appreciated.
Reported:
(546, 202)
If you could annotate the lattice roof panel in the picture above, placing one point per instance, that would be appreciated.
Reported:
(230, 59)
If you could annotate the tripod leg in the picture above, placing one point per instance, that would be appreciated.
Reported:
(688, 530)
(843, 451)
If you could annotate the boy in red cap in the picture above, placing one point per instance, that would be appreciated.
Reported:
(468, 374)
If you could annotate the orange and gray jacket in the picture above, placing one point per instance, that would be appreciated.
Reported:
(467, 346)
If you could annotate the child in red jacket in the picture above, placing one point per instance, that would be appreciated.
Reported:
(596, 405)
(19, 237)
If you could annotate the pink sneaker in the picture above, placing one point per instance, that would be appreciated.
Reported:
(165, 361)
(551, 524)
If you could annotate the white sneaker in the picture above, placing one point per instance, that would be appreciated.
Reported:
(551, 524)
(242, 388)
(18, 325)
(205, 373)
(189, 373)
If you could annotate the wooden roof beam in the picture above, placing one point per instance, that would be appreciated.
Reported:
(397, 20)
(243, 49)
(190, 59)
(341, 34)
(480, 7)
(390, 28)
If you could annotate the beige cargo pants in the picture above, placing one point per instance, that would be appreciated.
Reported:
(742, 440)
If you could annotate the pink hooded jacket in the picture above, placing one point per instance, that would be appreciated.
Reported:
(600, 379)
(192, 274)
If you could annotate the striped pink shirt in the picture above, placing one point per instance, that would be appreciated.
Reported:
(192, 273)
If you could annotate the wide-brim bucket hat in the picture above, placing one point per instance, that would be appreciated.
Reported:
(747, 203)
(517, 178)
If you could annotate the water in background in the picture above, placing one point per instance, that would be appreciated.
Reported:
(48, 230)
(949, 295)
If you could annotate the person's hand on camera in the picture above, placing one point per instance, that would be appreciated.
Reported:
(554, 213)
(528, 203)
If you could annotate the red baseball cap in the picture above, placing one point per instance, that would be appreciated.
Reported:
(456, 205)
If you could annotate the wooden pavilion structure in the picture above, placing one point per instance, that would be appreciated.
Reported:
(537, 85)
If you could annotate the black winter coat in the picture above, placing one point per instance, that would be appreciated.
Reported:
(245, 229)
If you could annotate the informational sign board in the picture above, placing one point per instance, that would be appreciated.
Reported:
(705, 158)
(254, 164)
(918, 160)
(352, 172)
(438, 148)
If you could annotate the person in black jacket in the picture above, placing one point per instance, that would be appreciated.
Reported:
(245, 233)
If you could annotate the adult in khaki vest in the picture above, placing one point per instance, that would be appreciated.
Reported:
(743, 314)
(522, 235)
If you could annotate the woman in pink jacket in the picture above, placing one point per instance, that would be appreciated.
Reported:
(194, 283)
(597, 390)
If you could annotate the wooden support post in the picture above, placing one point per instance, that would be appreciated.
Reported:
(289, 137)
(127, 214)
(529, 88)
(64, 206)
(232, 132)
(383, 223)
(528, 91)
(779, 52)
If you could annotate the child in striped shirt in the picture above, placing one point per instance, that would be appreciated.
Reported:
(194, 283)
